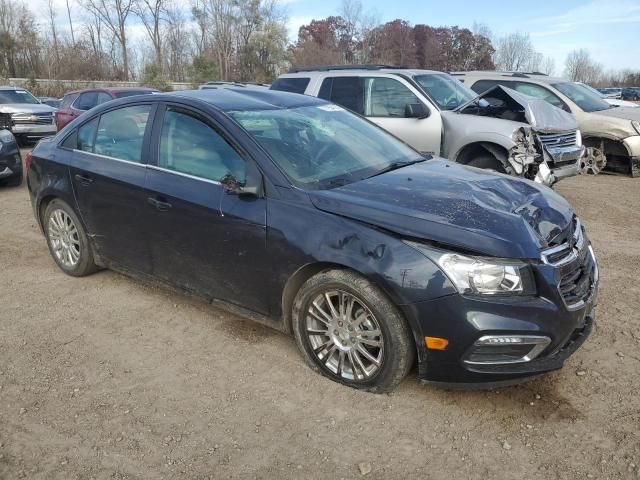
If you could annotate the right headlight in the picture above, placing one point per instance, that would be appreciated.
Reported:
(636, 125)
(482, 275)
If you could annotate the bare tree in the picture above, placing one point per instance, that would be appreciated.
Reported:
(177, 45)
(152, 14)
(73, 40)
(54, 32)
(548, 66)
(221, 16)
(579, 67)
(114, 15)
(514, 52)
(479, 28)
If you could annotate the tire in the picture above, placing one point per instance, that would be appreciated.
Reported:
(371, 312)
(487, 162)
(70, 246)
(14, 181)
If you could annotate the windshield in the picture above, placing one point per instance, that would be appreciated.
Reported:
(448, 92)
(591, 89)
(323, 146)
(582, 96)
(17, 96)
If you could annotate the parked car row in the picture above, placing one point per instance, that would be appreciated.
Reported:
(403, 101)
(298, 213)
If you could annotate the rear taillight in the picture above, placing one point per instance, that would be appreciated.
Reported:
(27, 161)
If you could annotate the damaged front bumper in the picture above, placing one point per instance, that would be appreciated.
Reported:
(564, 161)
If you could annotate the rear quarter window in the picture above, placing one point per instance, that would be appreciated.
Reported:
(292, 85)
(68, 99)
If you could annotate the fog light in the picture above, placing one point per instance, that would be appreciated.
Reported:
(498, 349)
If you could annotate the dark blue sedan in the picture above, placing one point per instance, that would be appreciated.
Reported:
(301, 215)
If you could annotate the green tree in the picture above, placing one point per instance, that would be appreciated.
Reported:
(152, 77)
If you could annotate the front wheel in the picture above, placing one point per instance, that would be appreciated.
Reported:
(349, 331)
(68, 243)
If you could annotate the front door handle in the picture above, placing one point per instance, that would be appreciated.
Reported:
(83, 180)
(159, 204)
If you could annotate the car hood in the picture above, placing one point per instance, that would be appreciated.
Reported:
(621, 103)
(540, 114)
(25, 108)
(628, 113)
(451, 204)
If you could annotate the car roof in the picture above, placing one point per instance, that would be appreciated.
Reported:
(343, 70)
(240, 98)
(113, 90)
(9, 87)
(236, 98)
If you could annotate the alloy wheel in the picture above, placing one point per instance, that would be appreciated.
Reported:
(344, 335)
(64, 238)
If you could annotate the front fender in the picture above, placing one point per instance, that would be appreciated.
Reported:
(462, 130)
(300, 235)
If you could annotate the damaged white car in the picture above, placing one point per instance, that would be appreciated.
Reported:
(500, 130)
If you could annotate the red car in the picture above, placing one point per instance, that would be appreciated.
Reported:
(76, 103)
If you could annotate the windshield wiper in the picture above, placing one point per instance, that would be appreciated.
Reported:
(396, 165)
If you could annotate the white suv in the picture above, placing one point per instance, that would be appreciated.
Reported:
(436, 114)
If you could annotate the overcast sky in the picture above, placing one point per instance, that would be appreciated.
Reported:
(609, 29)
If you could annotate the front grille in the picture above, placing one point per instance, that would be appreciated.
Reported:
(33, 119)
(576, 265)
(565, 246)
(577, 284)
(558, 140)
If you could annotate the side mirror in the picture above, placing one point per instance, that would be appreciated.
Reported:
(415, 110)
(252, 186)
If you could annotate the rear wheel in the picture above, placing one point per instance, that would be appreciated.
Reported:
(350, 332)
(68, 243)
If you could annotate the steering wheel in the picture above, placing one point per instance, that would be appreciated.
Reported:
(452, 103)
(323, 150)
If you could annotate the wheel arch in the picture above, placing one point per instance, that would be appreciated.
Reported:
(615, 150)
(304, 273)
(473, 150)
(296, 281)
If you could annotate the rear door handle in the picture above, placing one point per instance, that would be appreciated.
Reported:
(84, 180)
(159, 204)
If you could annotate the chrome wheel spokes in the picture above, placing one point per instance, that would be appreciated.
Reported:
(345, 336)
(64, 238)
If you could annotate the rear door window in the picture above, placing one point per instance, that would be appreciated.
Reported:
(345, 91)
(293, 85)
(121, 133)
(87, 135)
(86, 101)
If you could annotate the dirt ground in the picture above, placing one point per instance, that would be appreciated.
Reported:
(105, 377)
